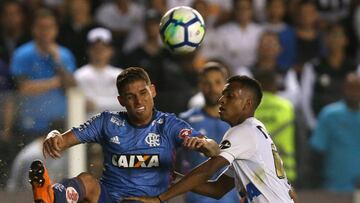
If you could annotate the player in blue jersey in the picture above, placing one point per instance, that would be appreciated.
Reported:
(207, 121)
(138, 147)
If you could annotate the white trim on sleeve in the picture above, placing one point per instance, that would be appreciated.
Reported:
(229, 157)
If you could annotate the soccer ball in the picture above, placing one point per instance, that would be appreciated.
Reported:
(182, 29)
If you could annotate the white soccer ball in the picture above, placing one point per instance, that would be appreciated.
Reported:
(182, 29)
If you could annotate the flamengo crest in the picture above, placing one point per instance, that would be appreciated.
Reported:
(153, 140)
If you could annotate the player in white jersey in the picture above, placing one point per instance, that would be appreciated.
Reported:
(256, 168)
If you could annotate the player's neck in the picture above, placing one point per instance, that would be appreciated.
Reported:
(99, 64)
(243, 118)
(140, 122)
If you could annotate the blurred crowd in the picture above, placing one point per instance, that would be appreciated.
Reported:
(305, 53)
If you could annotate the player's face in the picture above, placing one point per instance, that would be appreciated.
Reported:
(352, 90)
(308, 15)
(336, 39)
(234, 103)
(211, 86)
(244, 11)
(100, 52)
(269, 47)
(138, 99)
(45, 30)
(276, 9)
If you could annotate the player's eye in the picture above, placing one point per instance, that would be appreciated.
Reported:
(129, 97)
(143, 93)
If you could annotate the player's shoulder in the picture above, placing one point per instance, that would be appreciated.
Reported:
(282, 103)
(114, 70)
(190, 113)
(333, 109)
(84, 70)
(248, 127)
(165, 116)
(243, 133)
(65, 51)
(26, 49)
(112, 114)
(169, 119)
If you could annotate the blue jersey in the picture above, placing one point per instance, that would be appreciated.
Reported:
(38, 110)
(213, 128)
(337, 137)
(138, 161)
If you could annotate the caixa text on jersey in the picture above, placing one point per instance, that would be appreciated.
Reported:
(135, 160)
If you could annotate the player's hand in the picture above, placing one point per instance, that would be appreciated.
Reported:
(194, 143)
(293, 195)
(210, 148)
(67, 80)
(53, 50)
(52, 144)
(143, 199)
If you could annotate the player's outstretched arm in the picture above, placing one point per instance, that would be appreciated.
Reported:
(215, 189)
(55, 143)
(194, 179)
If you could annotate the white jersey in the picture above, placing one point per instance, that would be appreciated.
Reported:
(99, 86)
(255, 163)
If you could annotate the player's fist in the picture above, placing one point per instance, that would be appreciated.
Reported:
(210, 148)
(52, 144)
(194, 143)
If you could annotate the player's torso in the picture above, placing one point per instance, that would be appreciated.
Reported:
(262, 175)
(136, 160)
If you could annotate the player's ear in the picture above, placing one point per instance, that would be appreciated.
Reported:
(121, 101)
(153, 90)
(247, 104)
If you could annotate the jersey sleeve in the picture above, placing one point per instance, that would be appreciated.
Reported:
(238, 144)
(320, 137)
(20, 64)
(90, 131)
(179, 130)
(230, 172)
(69, 60)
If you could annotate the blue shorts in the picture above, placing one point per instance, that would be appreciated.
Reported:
(105, 196)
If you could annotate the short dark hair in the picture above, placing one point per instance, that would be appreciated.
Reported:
(43, 13)
(251, 84)
(269, 2)
(214, 66)
(130, 75)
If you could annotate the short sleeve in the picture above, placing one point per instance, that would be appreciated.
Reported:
(19, 64)
(69, 60)
(180, 130)
(90, 131)
(230, 172)
(320, 136)
(238, 144)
